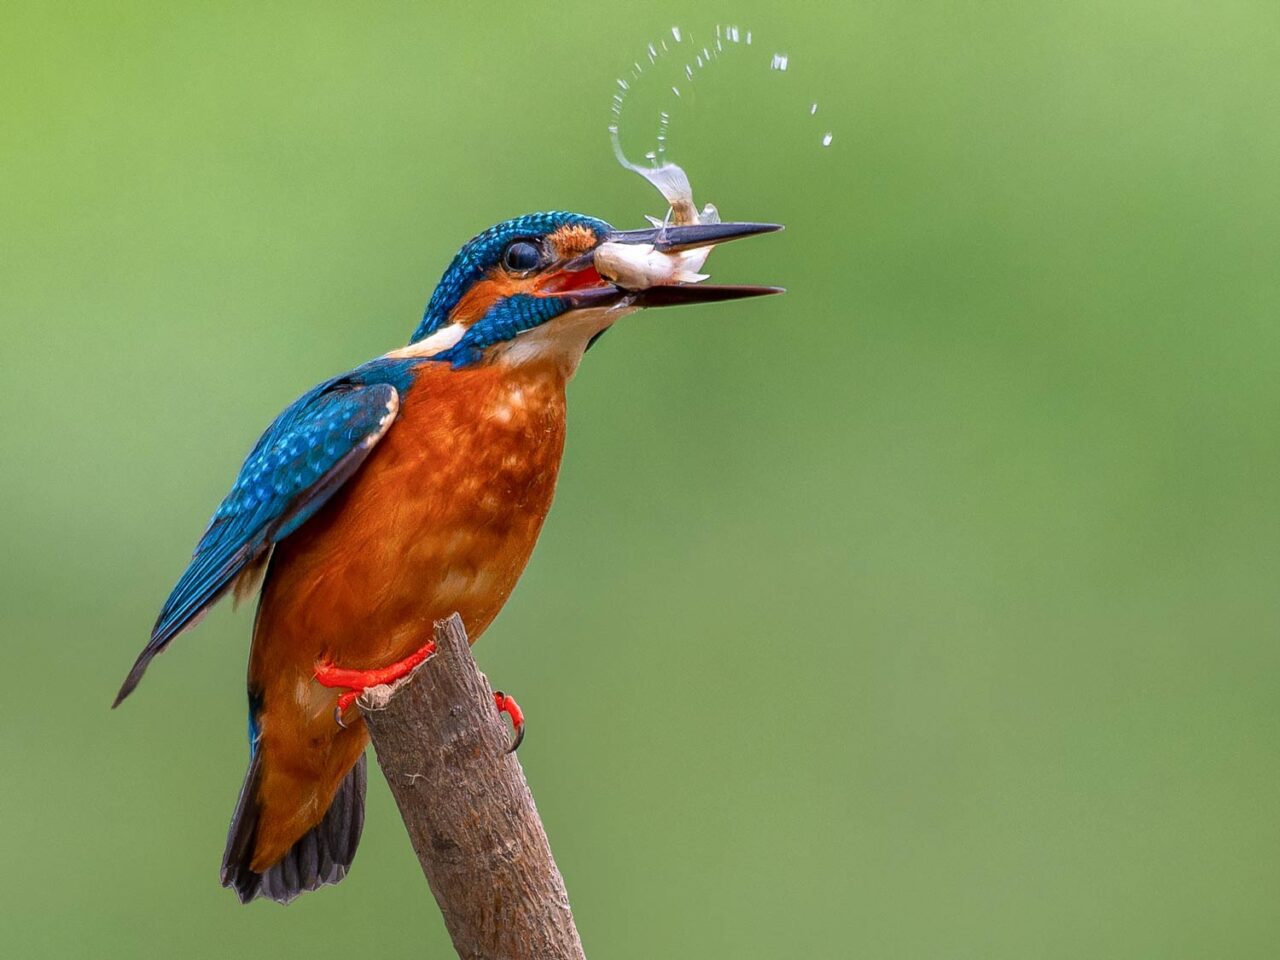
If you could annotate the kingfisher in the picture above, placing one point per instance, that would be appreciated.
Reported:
(391, 496)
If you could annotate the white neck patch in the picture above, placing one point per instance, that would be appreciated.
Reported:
(438, 342)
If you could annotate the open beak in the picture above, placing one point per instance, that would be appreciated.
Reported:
(643, 268)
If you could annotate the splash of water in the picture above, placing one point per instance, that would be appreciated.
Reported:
(669, 179)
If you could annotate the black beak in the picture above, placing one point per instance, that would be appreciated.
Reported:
(678, 294)
(672, 238)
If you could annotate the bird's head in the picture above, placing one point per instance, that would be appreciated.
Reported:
(543, 286)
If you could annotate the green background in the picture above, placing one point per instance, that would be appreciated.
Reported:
(927, 611)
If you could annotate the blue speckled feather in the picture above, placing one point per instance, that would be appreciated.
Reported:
(306, 454)
(483, 252)
(507, 318)
(323, 437)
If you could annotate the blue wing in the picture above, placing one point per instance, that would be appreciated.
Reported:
(310, 450)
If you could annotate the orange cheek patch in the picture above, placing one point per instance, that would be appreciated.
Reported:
(572, 239)
(475, 303)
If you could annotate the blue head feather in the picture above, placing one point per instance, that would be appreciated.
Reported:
(484, 253)
(504, 320)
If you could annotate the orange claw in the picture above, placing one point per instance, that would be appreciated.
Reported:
(508, 705)
(355, 682)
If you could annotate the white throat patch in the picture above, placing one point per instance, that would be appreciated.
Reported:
(562, 339)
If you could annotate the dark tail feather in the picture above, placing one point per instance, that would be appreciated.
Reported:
(321, 856)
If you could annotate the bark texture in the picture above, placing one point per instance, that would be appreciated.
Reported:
(470, 816)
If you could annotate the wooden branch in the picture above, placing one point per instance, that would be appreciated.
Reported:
(441, 745)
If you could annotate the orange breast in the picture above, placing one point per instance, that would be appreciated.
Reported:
(442, 517)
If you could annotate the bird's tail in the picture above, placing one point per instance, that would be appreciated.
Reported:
(322, 855)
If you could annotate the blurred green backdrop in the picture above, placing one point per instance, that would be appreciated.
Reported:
(927, 611)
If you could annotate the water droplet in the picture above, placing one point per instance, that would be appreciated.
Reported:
(657, 51)
(826, 140)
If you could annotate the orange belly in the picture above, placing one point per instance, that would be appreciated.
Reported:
(441, 518)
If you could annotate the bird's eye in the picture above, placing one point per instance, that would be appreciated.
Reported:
(521, 256)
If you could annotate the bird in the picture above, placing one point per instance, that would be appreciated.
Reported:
(393, 495)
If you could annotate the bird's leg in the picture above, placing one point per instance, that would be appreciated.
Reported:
(508, 705)
(355, 682)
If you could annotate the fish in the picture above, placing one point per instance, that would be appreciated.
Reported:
(640, 266)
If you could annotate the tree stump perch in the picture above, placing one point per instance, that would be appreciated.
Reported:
(471, 819)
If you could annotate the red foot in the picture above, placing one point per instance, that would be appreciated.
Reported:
(355, 682)
(508, 705)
